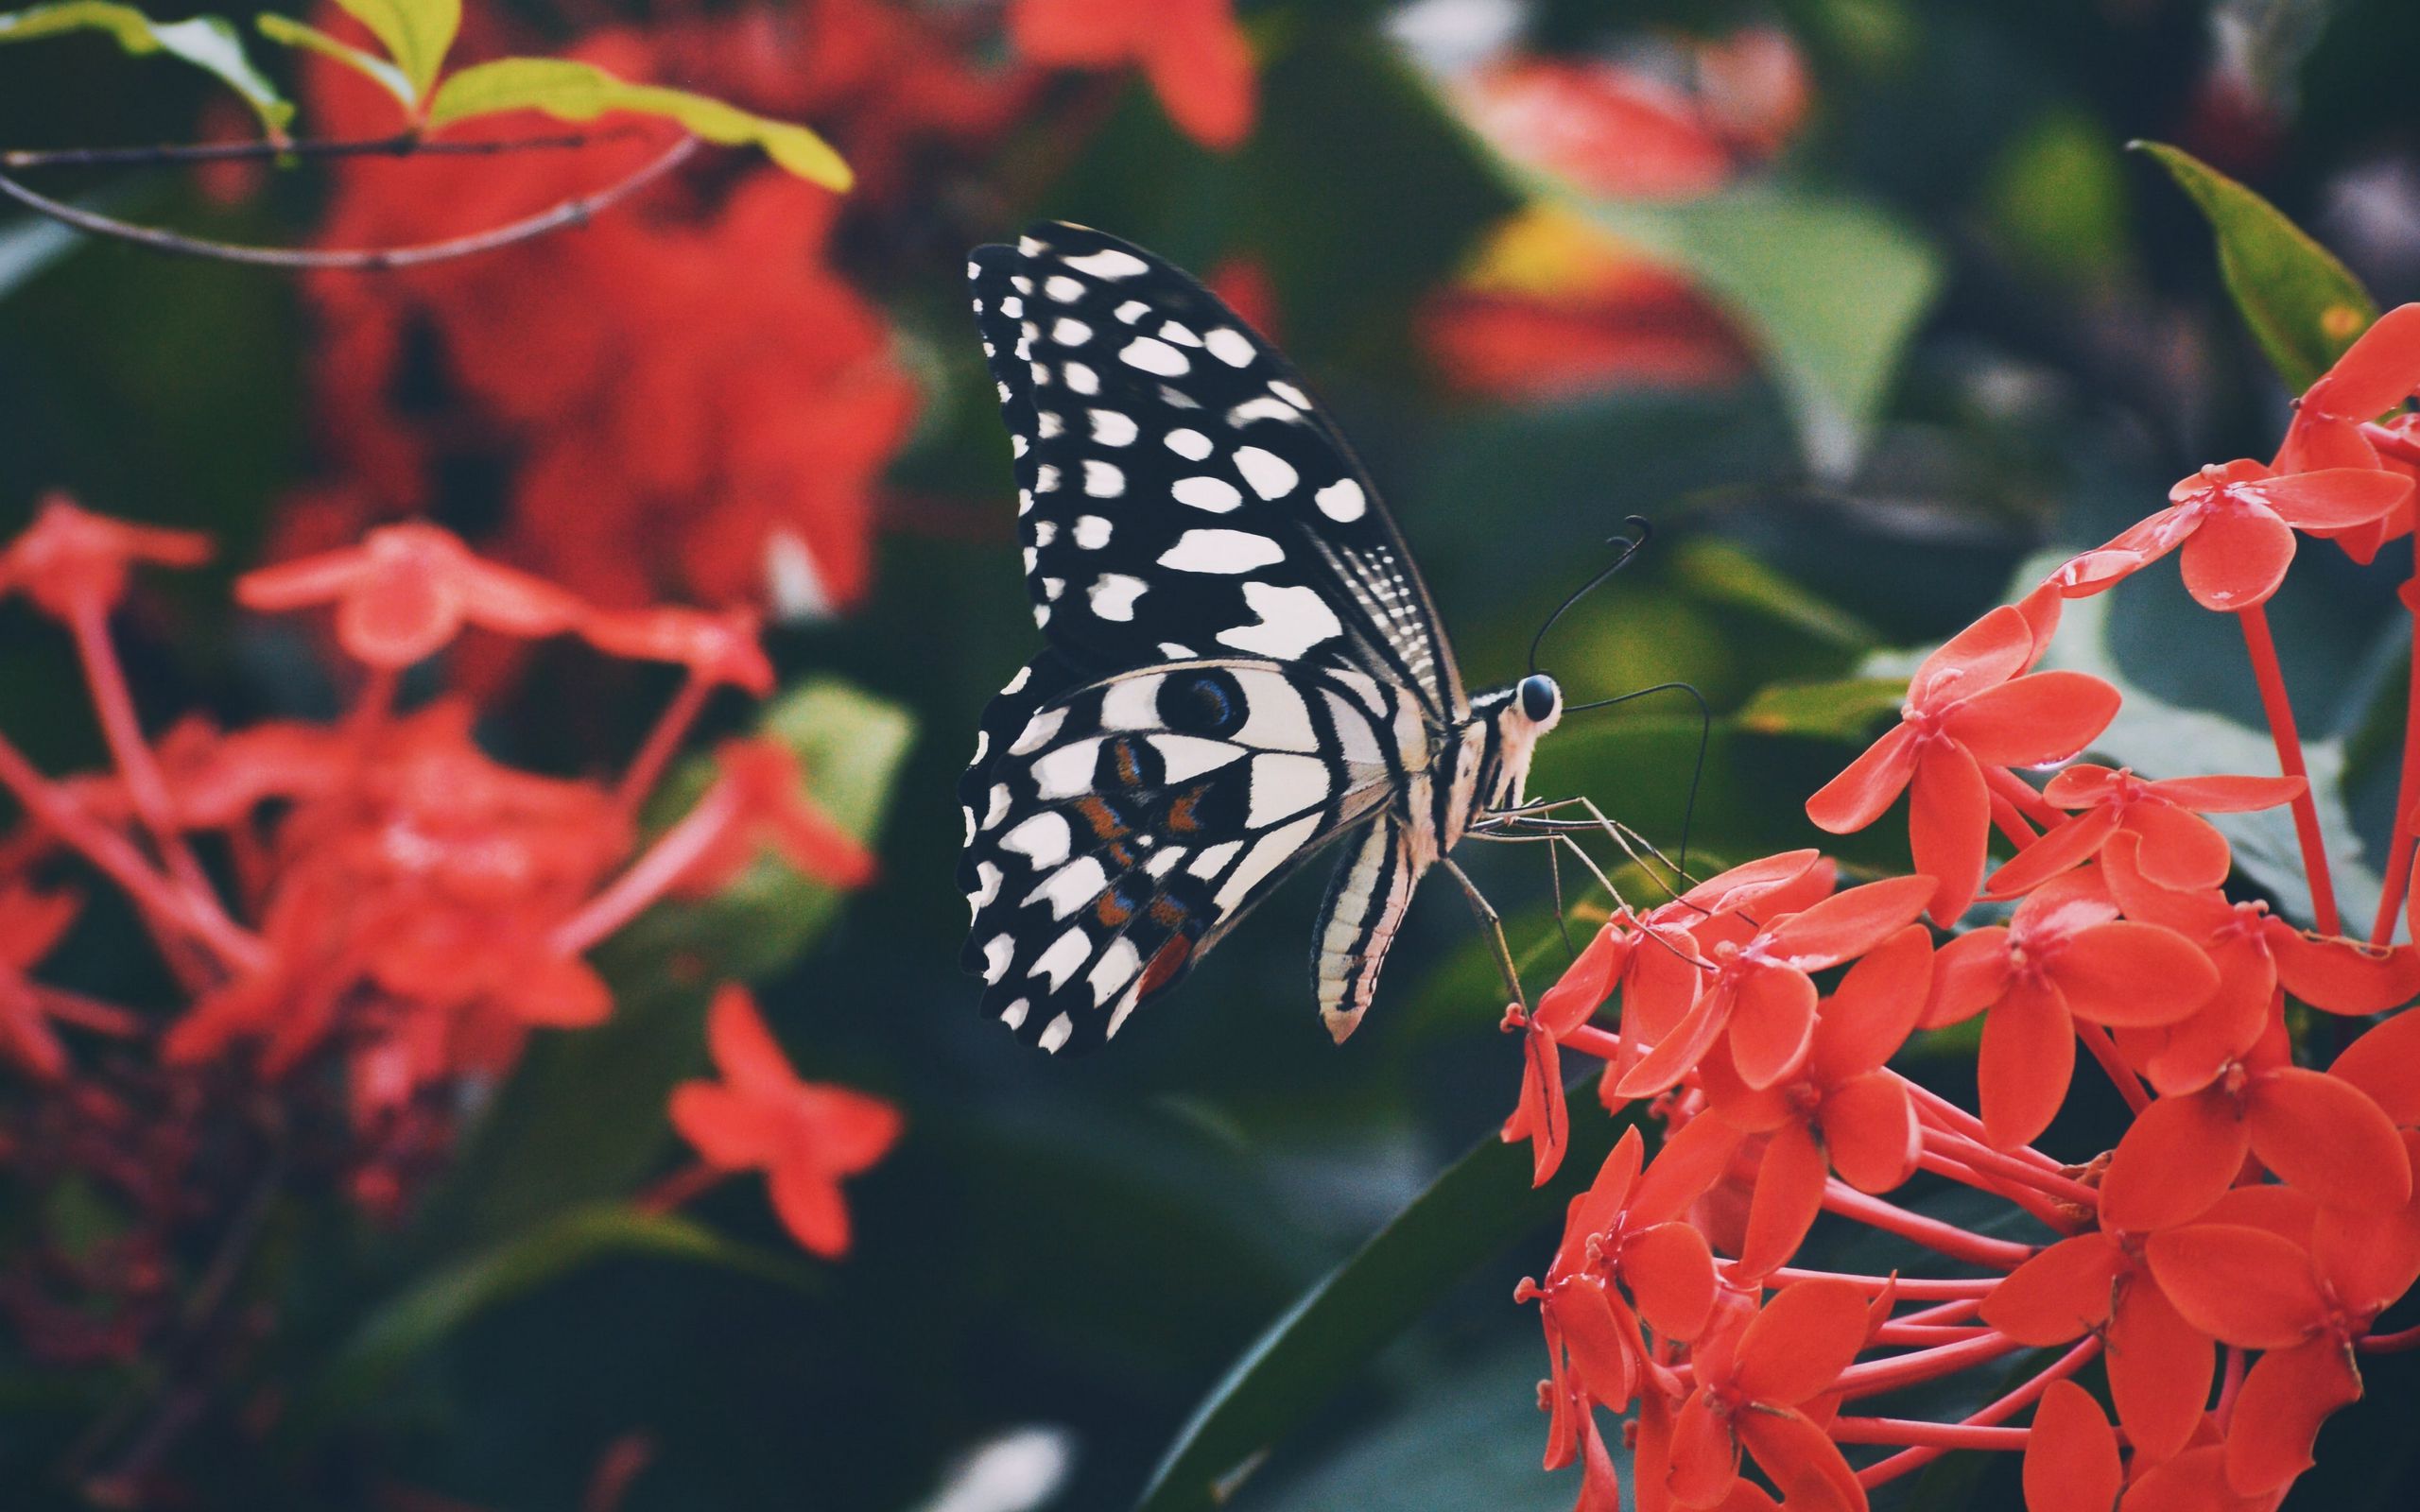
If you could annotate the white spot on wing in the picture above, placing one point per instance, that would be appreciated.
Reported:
(1071, 886)
(1013, 1015)
(997, 954)
(1103, 480)
(1189, 756)
(1220, 551)
(1214, 860)
(1092, 532)
(1283, 785)
(1115, 968)
(1044, 837)
(1216, 495)
(1055, 1033)
(1063, 288)
(1107, 263)
(1270, 476)
(1277, 718)
(1292, 620)
(1190, 444)
(1065, 954)
(1342, 501)
(1132, 703)
(1113, 595)
(999, 805)
(1113, 428)
(1153, 356)
(1039, 732)
(1066, 771)
(1230, 345)
(1268, 854)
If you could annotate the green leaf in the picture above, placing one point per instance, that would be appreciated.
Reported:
(581, 92)
(208, 43)
(408, 1325)
(417, 34)
(30, 245)
(1482, 1203)
(1719, 571)
(292, 33)
(582, 1117)
(1828, 289)
(1844, 708)
(2301, 303)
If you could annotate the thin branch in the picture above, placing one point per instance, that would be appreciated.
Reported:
(569, 213)
(402, 145)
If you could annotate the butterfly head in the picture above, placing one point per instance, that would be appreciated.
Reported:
(1540, 701)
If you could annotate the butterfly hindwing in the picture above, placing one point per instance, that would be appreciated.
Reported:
(1181, 495)
(1122, 828)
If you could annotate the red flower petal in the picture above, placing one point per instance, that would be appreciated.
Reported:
(1848, 924)
(2160, 1367)
(1675, 1054)
(2375, 373)
(2071, 1455)
(2027, 1056)
(2277, 1414)
(2243, 1285)
(2385, 1063)
(1602, 1337)
(1797, 1346)
(2343, 976)
(1969, 974)
(808, 1202)
(1949, 827)
(1595, 1210)
(2177, 849)
(743, 1049)
(2336, 498)
(1871, 1131)
(846, 1130)
(1986, 653)
(1788, 1194)
(727, 1129)
(2194, 1050)
(1542, 1116)
(1729, 891)
(1864, 1023)
(2325, 1137)
(1583, 988)
(1694, 1158)
(2196, 916)
(1867, 786)
(2132, 975)
(2069, 843)
(1199, 62)
(2180, 1154)
(398, 618)
(2228, 794)
(2236, 558)
(1706, 1458)
(1669, 1272)
(1771, 1026)
(2061, 1294)
(2040, 719)
(2194, 1481)
(1801, 1460)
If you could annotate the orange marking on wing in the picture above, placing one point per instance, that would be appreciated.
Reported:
(1181, 816)
(1167, 911)
(1130, 771)
(1104, 821)
(1166, 962)
(1112, 910)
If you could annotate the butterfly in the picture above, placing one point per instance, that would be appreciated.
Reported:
(1242, 667)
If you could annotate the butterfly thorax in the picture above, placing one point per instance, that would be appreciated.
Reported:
(1482, 764)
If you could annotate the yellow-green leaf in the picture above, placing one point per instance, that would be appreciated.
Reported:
(208, 43)
(2304, 307)
(581, 92)
(293, 33)
(417, 34)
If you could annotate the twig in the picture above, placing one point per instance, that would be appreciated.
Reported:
(569, 213)
(402, 145)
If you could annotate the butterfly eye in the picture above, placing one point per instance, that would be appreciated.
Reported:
(1540, 697)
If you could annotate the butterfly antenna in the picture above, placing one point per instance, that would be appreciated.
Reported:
(1697, 771)
(1640, 533)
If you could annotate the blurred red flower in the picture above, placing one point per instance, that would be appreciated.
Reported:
(1198, 60)
(407, 590)
(71, 563)
(804, 1136)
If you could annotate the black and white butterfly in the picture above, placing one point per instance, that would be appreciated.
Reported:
(1242, 664)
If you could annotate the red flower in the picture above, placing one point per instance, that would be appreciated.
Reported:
(2070, 1455)
(71, 563)
(31, 925)
(2375, 375)
(1760, 992)
(405, 592)
(1650, 957)
(1840, 1111)
(804, 1136)
(763, 775)
(2160, 1366)
(2319, 1133)
(2065, 955)
(2176, 848)
(2237, 524)
(1196, 56)
(2300, 1284)
(717, 647)
(1760, 1381)
(1968, 709)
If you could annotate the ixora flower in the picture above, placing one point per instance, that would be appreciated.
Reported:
(1198, 60)
(1973, 710)
(72, 563)
(804, 1136)
(2236, 521)
(406, 591)
(2176, 847)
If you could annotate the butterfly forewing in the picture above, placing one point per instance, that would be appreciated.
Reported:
(1180, 493)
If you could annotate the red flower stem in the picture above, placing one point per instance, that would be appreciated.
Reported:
(638, 889)
(1944, 1113)
(2011, 823)
(2230, 1382)
(2397, 862)
(2121, 1076)
(1884, 1471)
(1975, 1152)
(377, 701)
(2046, 1208)
(2396, 1342)
(1947, 1239)
(1957, 1311)
(2023, 795)
(108, 852)
(1938, 1436)
(1875, 1376)
(2280, 712)
(1901, 1331)
(680, 1189)
(1590, 1041)
(672, 727)
(86, 1013)
(1910, 1288)
(137, 767)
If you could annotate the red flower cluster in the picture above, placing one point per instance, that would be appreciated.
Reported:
(2230, 1256)
(649, 435)
(1552, 307)
(360, 918)
(1198, 60)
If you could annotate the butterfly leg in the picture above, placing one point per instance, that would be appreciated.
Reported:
(1493, 923)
